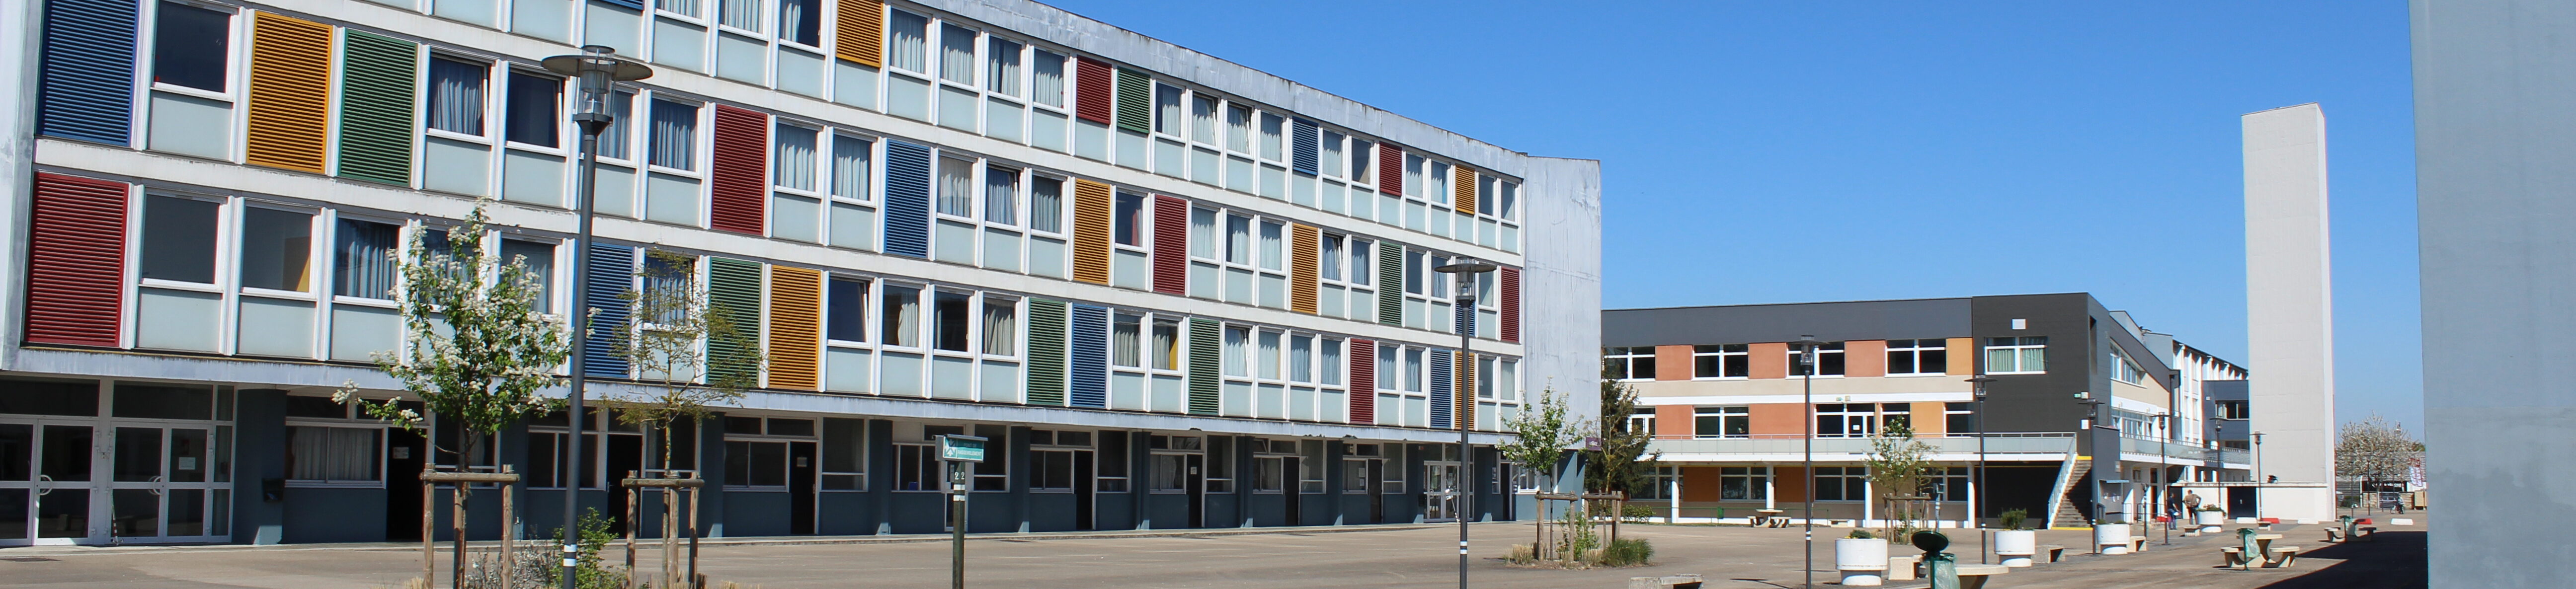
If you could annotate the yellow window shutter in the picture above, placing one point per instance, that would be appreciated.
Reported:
(1463, 190)
(1302, 273)
(859, 34)
(1091, 231)
(290, 93)
(795, 328)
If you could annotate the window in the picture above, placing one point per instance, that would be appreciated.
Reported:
(1301, 359)
(1829, 360)
(1051, 470)
(2232, 410)
(1112, 468)
(333, 454)
(1330, 257)
(956, 189)
(1002, 66)
(363, 266)
(675, 136)
(957, 54)
(1167, 109)
(1238, 128)
(1167, 343)
(1203, 118)
(1046, 204)
(2017, 355)
(1046, 79)
(1959, 419)
(845, 454)
(900, 322)
(1744, 483)
(456, 95)
(538, 259)
(1917, 356)
(533, 113)
(1125, 341)
(1722, 422)
(612, 140)
(1238, 239)
(1237, 355)
(1946, 484)
(1268, 355)
(950, 318)
(190, 45)
(1721, 361)
(1642, 420)
(801, 22)
(848, 309)
(1169, 474)
(850, 157)
(1842, 483)
(1001, 325)
(1126, 226)
(1847, 420)
(916, 468)
(792, 160)
(1310, 466)
(1629, 363)
(275, 246)
(2128, 370)
(740, 14)
(1001, 195)
(907, 41)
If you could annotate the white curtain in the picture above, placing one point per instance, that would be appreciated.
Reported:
(456, 96)
(795, 166)
(1301, 358)
(956, 187)
(1238, 129)
(612, 140)
(1124, 341)
(902, 316)
(1046, 204)
(1001, 326)
(365, 270)
(1330, 258)
(1046, 84)
(1234, 351)
(850, 166)
(1269, 354)
(1167, 110)
(740, 14)
(907, 41)
(1332, 361)
(1202, 233)
(957, 54)
(675, 135)
(1238, 239)
(1002, 66)
(1001, 192)
(1167, 343)
(331, 453)
(1271, 246)
(1203, 118)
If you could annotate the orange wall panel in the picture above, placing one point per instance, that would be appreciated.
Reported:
(1867, 357)
(1963, 355)
(1700, 483)
(1778, 419)
(1928, 421)
(1771, 360)
(1673, 422)
(1788, 485)
(1672, 362)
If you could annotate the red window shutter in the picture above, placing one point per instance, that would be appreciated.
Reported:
(741, 171)
(76, 261)
(1092, 91)
(1511, 319)
(1171, 245)
(1363, 381)
(1390, 169)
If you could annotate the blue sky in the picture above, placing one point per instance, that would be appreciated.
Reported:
(1799, 151)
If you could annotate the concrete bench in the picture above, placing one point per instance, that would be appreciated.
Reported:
(2137, 544)
(2282, 556)
(2051, 553)
(1974, 576)
(1665, 582)
(1904, 568)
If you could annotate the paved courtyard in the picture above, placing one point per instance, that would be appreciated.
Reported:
(1403, 556)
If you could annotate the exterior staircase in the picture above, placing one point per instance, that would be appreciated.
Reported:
(2070, 483)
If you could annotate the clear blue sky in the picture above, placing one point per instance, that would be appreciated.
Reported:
(1802, 151)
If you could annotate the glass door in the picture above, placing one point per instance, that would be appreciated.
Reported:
(1440, 490)
(45, 495)
(162, 486)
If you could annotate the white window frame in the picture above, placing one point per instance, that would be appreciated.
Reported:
(1917, 347)
(2019, 348)
(236, 57)
(1628, 356)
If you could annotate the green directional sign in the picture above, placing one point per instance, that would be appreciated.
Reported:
(961, 448)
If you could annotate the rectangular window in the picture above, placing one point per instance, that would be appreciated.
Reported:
(275, 248)
(2128, 370)
(1829, 360)
(740, 14)
(949, 313)
(1272, 137)
(1203, 118)
(1046, 78)
(1629, 363)
(1721, 422)
(1169, 473)
(1167, 109)
(845, 454)
(363, 266)
(1268, 355)
(1238, 128)
(956, 187)
(1237, 352)
(1046, 204)
(1917, 356)
(900, 319)
(1360, 163)
(675, 135)
(539, 261)
(916, 468)
(1362, 258)
(1842, 483)
(1273, 246)
(1332, 351)
(1301, 359)
(1642, 420)
(1721, 361)
(957, 54)
(1329, 256)
(1414, 267)
(801, 22)
(333, 454)
(1002, 66)
(612, 140)
(907, 41)
(1238, 239)
(456, 95)
(1848, 420)
(1167, 344)
(2017, 355)
(1051, 470)
(1001, 195)
(792, 160)
(850, 156)
(1744, 483)
(534, 109)
(1001, 325)
(1126, 227)
(1125, 340)
(1959, 419)
(848, 313)
(1202, 233)
(190, 45)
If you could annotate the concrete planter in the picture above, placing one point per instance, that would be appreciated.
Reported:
(1863, 561)
(2017, 546)
(2209, 521)
(2112, 538)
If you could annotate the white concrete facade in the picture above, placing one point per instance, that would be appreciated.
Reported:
(2289, 309)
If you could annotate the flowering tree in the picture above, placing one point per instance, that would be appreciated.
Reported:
(684, 335)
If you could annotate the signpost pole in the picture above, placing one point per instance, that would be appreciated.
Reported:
(958, 453)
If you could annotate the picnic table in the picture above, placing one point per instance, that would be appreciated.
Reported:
(1770, 518)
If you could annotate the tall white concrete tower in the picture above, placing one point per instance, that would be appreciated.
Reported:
(2289, 311)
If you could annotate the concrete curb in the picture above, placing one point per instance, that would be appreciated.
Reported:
(25, 551)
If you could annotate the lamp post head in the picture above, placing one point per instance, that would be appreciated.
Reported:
(1466, 266)
(596, 67)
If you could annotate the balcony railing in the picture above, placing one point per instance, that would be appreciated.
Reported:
(2183, 450)
(1996, 443)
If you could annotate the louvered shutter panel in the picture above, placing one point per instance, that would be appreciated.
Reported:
(1463, 190)
(1302, 145)
(1390, 169)
(1091, 231)
(612, 273)
(1511, 305)
(1092, 91)
(859, 32)
(739, 179)
(733, 291)
(1171, 245)
(290, 93)
(76, 261)
(379, 79)
(1205, 378)
(1440, 395)
(1363, 381)
(795, 328)
(1135, 101)
(1390, 283)
(635, 4)
(85, 71)
(907, 196)
(1089, 379)
(1303, 275)
(1046, 352)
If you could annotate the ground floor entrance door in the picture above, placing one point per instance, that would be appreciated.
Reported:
(92, 481)
(45, 472)
(162, 486)
(1440, 490)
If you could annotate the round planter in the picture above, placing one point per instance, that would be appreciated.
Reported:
(2208, 518)
(1863, 561)
(2016, 546)
(2112, 538)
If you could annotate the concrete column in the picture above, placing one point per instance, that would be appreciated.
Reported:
(2289, 309)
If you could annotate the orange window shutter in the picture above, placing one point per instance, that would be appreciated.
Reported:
(1463, 190)
(1302, 272)
(859, 32)
(795, 328)
(1090, 231)
(290, 93)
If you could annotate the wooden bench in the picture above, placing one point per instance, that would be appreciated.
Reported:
(1974, 576)
(2050, 553)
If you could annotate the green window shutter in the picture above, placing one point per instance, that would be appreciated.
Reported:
(1135, 101)
(1204, 376)
(1390, 283)
(378, 82)
(1046, 352)
(733, 292)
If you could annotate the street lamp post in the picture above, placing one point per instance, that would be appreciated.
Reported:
(1467, 270)
(596, 67)
(1977, 480)
(2258, 476)
(1806, 346)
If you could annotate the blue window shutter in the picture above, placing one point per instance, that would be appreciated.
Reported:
(907, 200)
(1090, 356)
(85, 75)
(635, 4)
(612, 270)
(1440, 380)
(1302, 143)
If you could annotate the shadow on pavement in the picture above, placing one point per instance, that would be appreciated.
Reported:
(2393, 559)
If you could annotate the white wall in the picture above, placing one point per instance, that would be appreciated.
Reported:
(2289, 308)
(1561, 286)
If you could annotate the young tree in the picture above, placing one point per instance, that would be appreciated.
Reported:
(1540, 434)
(1623, 461)
(1896, 463)
(684, 335)
(479, 347)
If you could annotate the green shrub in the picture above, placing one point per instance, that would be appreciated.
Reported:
(592, 572)
(1627, 552)
(1861, 534)
(2013, 518)
(1634, 511)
